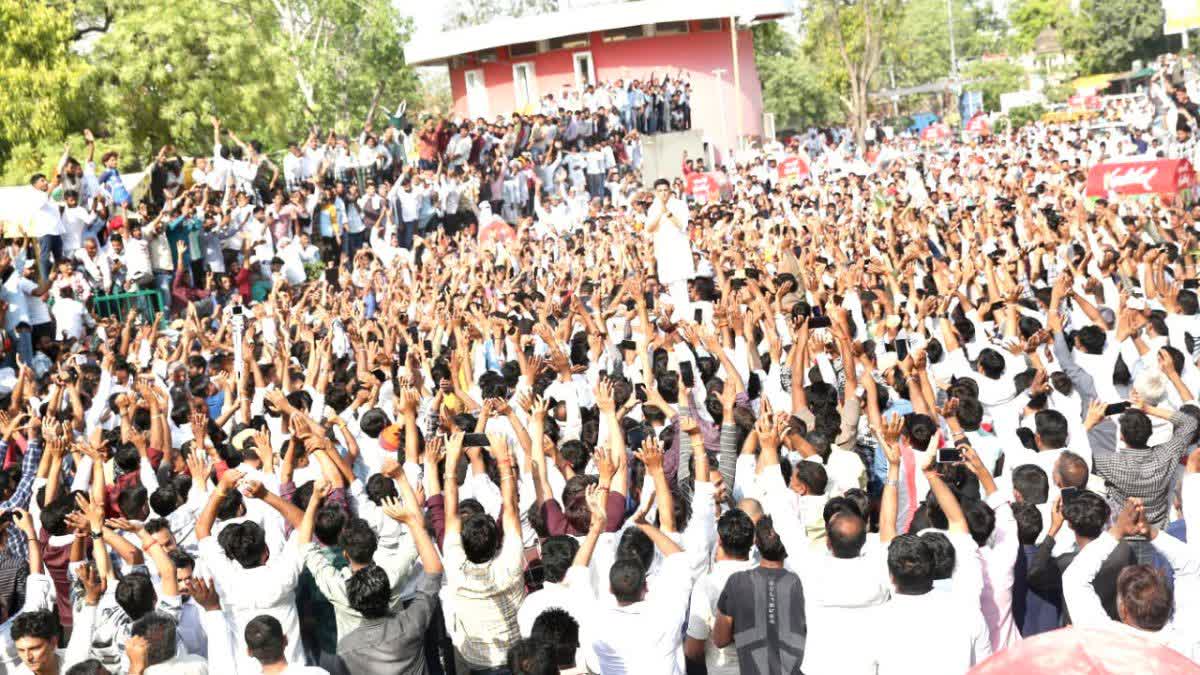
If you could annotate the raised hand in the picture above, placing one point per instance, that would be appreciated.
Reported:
(93, 583)
(205, 594)
(651, 455)
(408, 513)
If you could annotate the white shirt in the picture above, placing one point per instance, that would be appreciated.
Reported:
(47, 220)
(70, 316)
(672, 250)
(15, 292)
(137, 256)
(1087, 611)
(906, 621)
(644, 637)
(702, 614)
(248, 593)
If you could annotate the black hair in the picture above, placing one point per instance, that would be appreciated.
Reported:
(136, 595)
(369, 591)
(1052, 427)
(244, 542)
(159, 631)
(358, 541)
(530, 656)
(560, 630)
(230, 506)
(627, 579)
(132, 501)
(735, 531)
(943, 554)
(1029, 522)
(165, 500)
(265, 639)
(770, 546)
(558, 553)
(910, 562)
(328, 523)
(812, 475)
(1087, 513)
(480, 538)
(1135, 428)
(42, 624)
(991, 363)
(1030, 481)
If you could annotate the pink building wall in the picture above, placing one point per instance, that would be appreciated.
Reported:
(697, 53)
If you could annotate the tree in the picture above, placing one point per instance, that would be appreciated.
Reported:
(1107, 35)
(994, 78)
(462, 13)
(919, 45)
(793, 89)
(165, 67)
(857, 30)
(41, 79)
(345, 55)
(1030, 17)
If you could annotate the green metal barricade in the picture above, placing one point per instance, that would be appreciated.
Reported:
(147, 302)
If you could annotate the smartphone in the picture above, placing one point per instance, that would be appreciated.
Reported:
(1068, 493)
(428, 347)
(640, 392)
(627, 345)
(236, 310)
(379, 374)
(698, 316)
(1116, 408)
(1191, 284)
(686, 374)
(819, 322)
(949, 455)
(475, 441)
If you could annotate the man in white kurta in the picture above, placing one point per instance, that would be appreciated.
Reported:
(667, 220)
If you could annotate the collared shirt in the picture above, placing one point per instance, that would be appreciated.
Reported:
(486, 598)
(1146, 473)
(998, 559)
(393, 645)
(1087, 611)
(248, 593)
(643, 637)
(907, 620)
(332, 582)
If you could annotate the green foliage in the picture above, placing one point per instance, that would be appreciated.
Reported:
(159, 69)
(919, 46)
(1030, 17)
(39, 77)
(994, 78)
(1108, 35)
(1025, 114)
(793, 89)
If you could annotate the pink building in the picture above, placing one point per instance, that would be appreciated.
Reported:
(508, 65)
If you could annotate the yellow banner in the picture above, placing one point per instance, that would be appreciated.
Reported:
(1181, 15)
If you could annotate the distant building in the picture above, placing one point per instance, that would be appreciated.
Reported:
(510, 64)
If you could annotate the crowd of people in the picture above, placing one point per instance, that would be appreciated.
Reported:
(896, 416)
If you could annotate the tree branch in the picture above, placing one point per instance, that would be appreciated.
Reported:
(87, 30)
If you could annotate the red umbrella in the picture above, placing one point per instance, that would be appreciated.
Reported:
(1094, 651)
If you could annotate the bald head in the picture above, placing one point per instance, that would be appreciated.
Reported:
(752, 508)
(1070, 471)
(847, 534)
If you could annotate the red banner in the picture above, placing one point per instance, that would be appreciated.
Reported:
(935, 132)
(703, 187)
(979, 125)
(1081, 102)
(1165, 177)
(791, 169)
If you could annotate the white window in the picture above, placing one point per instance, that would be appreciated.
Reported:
(585, 69)
(477, 97)
(524, 86)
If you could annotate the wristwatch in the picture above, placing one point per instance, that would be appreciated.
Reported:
(97, 535)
